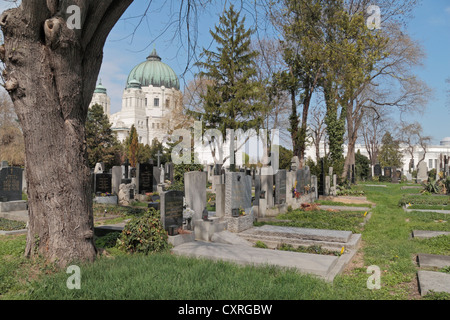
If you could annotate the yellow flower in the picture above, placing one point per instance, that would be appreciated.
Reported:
(365, 214)
(342, 250)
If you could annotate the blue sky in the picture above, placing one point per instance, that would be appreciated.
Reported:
(430, 26)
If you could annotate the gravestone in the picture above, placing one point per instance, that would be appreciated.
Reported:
(126, 173)
(145, 177)
(267, 189)
(116, 179)
(307, 176)
(280, 187)
(169, 168)
(377, 170)
(388, 172)
(394, 175)
(171, 205)
(103, 183)
(156, 177)
(99, 168)
(195, 192)
(295, 163)
(314, 187)
(10, 184)
(301, 180)
(422, 172)
(238, 192)
(257, 182)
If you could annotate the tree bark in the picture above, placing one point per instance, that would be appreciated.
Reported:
(50, 74)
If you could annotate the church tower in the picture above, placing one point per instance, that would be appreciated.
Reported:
(101, 97)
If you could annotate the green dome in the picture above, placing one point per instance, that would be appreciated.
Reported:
(154, 72)
(100, 88)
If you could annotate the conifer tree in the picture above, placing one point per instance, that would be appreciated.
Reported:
(102, 144)
(132, 146)
(232, 99)
(390, 154)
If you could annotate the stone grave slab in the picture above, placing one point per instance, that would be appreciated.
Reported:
(425, 234)
(433, 260)
(433, 281)
(320, 265)
(301, 233)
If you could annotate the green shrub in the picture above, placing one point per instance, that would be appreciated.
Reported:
(10, 225)
(107, 241)
(447, 184)
(431, 186)
(144, 234)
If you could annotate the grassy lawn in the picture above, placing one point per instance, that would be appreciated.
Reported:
(321, 219)
(386, 243)
(335, 203)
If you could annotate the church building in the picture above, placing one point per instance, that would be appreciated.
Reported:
(151, 92)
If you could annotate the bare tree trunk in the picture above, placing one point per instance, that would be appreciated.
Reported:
(50, 74)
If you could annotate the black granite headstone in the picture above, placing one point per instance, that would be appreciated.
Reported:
(377, 170)
(172, 209)
(11, 184)
(145, 178)
(103, 183)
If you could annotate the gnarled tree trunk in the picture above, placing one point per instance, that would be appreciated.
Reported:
(50, 73)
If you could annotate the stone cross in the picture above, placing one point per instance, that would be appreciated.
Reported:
(159, 155)
(126, 164)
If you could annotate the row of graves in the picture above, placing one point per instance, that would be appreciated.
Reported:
(240, 198)
(123, 184)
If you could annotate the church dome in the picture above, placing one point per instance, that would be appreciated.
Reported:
(153, 72)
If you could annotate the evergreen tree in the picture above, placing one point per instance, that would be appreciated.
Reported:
(102, 144)
(132, 146)
(390, 154)
(232, 99)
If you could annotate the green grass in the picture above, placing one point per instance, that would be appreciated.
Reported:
(321, 219)
(335, 203)
(168, 277)
(386, 243)
(424, 200)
